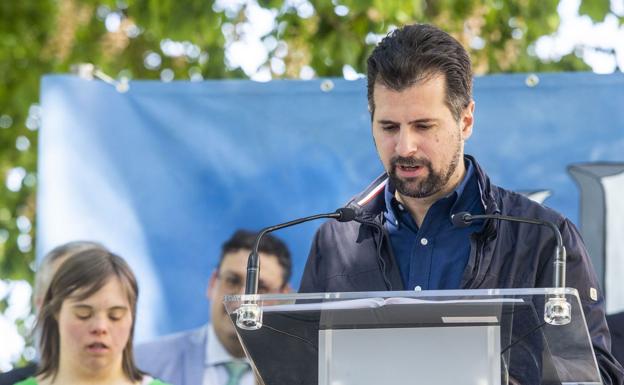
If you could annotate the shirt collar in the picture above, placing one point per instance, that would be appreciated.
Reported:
(459, 190)
(392, 203)
(215, 352)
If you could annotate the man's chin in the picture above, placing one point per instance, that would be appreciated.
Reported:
(409, 188)
(414, 187)
(229, 331)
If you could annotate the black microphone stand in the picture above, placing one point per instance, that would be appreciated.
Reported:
(557, 309)
(249, 314)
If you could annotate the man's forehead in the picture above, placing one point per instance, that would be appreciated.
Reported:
(419, 101)
(239, 258)
(433, 79)
(271, 271)
(418, 79)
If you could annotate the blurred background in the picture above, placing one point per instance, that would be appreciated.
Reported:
(194, 40)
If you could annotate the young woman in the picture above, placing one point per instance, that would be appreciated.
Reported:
(87, 324)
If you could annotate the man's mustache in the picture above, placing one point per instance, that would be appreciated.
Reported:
(409, 162)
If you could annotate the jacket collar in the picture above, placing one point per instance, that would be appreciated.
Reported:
(371, 202)
(489, 197)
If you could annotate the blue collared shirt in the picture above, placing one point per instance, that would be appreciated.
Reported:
(434, 256)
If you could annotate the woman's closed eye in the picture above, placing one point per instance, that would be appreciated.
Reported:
(83, 312)
(116, 314)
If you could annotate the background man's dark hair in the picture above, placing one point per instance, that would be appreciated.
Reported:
(244, 240)
(414, 53)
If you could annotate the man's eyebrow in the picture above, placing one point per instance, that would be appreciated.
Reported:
(423, 120)
(412, 122)
(231, 274)
(264, 284)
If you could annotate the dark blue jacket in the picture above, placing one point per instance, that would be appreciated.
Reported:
(357, 256)
(616, 327)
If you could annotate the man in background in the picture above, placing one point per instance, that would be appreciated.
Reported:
(43, 276)
(212, 354)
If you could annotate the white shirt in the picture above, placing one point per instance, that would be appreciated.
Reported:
(215, 372)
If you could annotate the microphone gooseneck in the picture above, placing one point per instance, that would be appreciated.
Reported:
(249, 313)
(557, 308)
(343, 214)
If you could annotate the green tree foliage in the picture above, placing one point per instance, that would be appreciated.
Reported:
(38, 37)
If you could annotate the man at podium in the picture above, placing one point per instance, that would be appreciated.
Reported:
(422, 113)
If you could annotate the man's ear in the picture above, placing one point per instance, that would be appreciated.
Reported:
(467, 120)
(212, 283)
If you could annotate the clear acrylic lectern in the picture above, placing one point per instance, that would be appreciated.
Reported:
(472, 337)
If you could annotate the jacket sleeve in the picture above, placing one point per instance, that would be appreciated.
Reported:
(580, 275)
(310, 279)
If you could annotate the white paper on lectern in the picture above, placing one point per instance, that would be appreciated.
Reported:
(377, 302)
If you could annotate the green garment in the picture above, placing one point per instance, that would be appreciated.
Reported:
(33, 381)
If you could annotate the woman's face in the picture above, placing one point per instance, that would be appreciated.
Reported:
(94, 331)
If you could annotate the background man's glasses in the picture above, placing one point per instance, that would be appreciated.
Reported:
(234, 283)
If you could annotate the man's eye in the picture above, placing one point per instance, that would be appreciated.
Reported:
(424, 126)
(232, 281)
(389, 127)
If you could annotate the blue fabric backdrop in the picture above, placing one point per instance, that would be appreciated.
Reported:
(164, 173)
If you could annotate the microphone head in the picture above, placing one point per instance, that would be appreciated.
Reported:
(461, 219)
(345, 214)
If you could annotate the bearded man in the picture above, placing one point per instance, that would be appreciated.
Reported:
(422, 112)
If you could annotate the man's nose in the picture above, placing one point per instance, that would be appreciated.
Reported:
(240, 289)
(406, 142)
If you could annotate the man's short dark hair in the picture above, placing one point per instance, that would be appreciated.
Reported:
(415, 53)
(244, 240)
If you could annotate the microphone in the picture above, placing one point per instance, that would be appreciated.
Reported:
(249, 316)
(558, 310)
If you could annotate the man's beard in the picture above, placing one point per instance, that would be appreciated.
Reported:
(433, 183)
